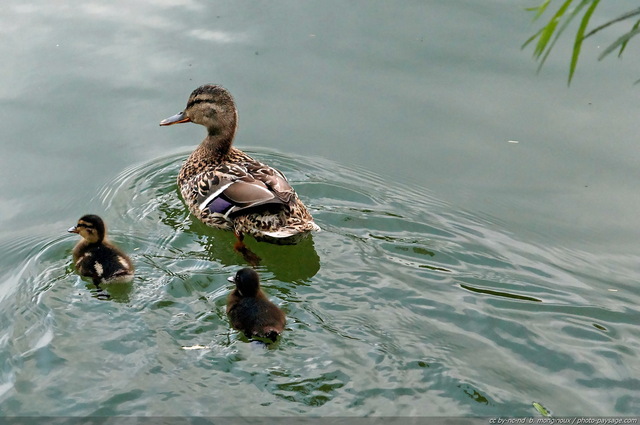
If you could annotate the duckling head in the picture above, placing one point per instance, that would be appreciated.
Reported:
(211, 106)
(91, 228)
(247, 282)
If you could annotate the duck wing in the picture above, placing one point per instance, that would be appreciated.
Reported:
(230, 189)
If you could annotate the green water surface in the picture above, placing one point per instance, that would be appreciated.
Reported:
(458, 273)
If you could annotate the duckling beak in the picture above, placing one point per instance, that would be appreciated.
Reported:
(176, 119)
(73, 229)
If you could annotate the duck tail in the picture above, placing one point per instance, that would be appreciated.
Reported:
(272, 334)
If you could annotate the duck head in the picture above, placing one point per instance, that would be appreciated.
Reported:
(211, 106)
(91, 228)
(247, 282)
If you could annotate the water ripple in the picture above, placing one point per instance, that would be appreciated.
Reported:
(402, 305)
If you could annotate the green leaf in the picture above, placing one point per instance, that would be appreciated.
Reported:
(547, 36)
(577, 45)
(540, 9)
(564, 25)
(624, 45)
(533, 37)
(622, 17)
(548, 30)
(625, 38)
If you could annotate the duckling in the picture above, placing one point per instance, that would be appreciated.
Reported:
(250, 311)
(226, 188)
(95, 257)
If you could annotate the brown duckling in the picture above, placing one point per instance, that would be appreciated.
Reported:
(250, 311)
(95, 257)
(226, 188)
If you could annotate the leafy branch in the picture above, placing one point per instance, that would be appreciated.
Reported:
(549, 34)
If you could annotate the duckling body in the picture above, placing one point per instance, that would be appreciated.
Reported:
(250, 311)
(226, 188)
(97, 258)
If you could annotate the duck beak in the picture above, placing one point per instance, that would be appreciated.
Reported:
(231, 279)
(73, 229)
(176, 119)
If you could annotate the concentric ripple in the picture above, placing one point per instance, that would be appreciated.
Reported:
(402, 305)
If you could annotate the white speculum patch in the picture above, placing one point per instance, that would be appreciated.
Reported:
(123, 262)
(98, 268)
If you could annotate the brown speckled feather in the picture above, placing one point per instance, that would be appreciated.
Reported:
(226, 188)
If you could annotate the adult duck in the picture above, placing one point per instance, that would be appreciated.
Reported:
(226, 188)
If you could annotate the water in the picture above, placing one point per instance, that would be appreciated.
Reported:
(456, 274)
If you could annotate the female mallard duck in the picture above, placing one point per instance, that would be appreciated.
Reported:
(226, 188)
(250, 311)
(95, 257)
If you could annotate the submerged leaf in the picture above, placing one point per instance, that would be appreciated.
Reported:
(541, 409)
